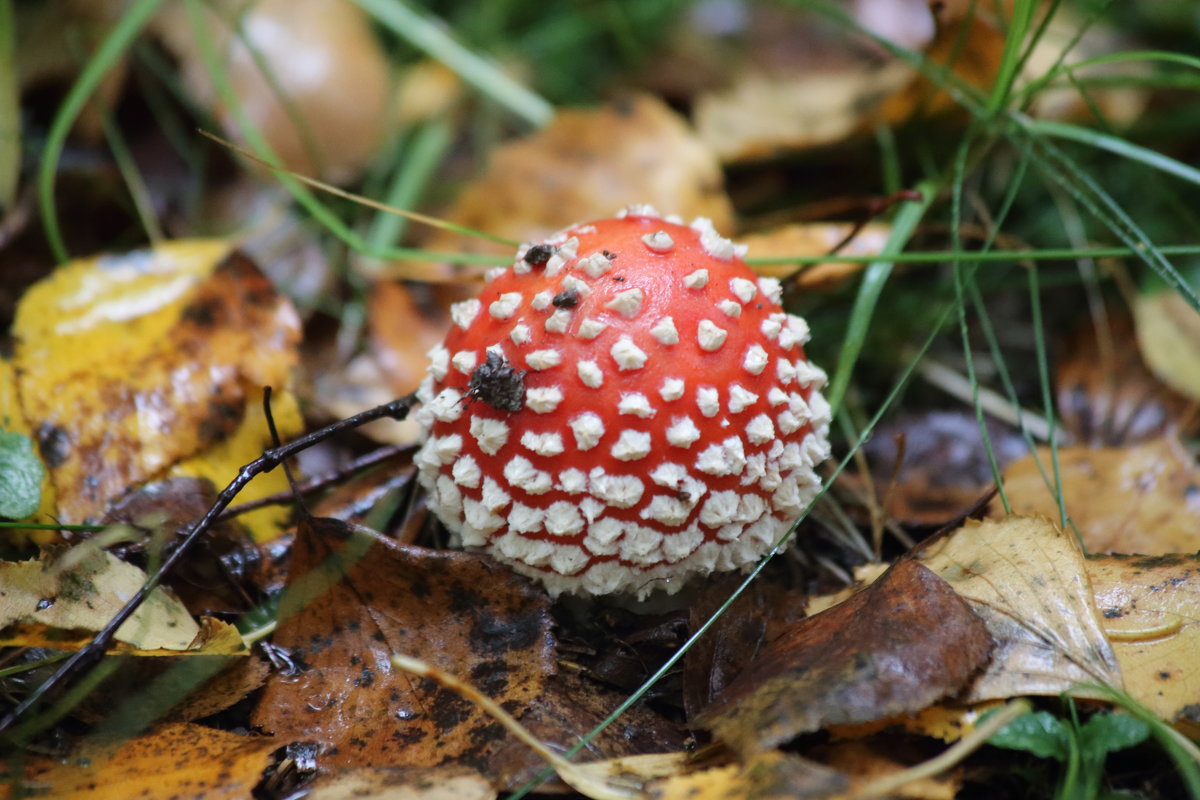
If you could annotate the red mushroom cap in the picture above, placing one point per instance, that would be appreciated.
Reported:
(626, 406)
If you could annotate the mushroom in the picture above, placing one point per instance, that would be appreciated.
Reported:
(624, 407)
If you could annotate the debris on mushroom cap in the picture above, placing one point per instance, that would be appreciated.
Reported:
(623, 408)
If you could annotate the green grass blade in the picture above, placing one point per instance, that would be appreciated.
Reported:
(418, 162)
(432, 39)
(114, 46)
(1010, 59)
(873, 280)
(139, 192)
(991, 257)
(1115, 145)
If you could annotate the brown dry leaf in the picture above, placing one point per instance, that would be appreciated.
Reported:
(215, 638)
(1168, 333)
(1027, 581)
(461, 612)
(897, 646)
(814, 239)
(84, 592)
(772, 775)
(1151, 614)
(174, 761)
(133, 365)
(1106, 395)
(339, 94)
(1140, 499)
(402, 783)
(587, 164)
(866, 762)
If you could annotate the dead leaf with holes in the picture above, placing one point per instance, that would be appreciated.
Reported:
(586, 164)
(151, 364)
(1139, 499)
(176, 760)
(59, 603)
(1150, 610)
(1027, 580)
(898, 646)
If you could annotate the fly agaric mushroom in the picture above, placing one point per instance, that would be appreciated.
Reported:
(622, 408)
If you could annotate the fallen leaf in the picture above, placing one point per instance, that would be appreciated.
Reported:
(866, 762)
(815, 239)
(1106, 395)
(1150, 610)
(1168, 333)
(899, 645)
(130, 365)
(214, 638)
(1027, 581)
(176, 760)
(353, 600)
(86, 594)
(587, 164)
(1140, 499)
(772, 775)
(325, 119)
(402, 783)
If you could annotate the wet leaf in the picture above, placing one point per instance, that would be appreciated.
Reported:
(1150, 610)
(176, 760)
(1139, 499)
(899, 645)
(354, 599)
(587, 164)
(402, 783)
(772, 775)
(1106, 395)
(866, 762)
(136, 364)
(1027, 581)
(1168, 333)
(21, 474)
(214, 638)
(86, 593)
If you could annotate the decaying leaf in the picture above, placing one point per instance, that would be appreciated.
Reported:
(1106, 395)
(897, 646)
(1139, 499)
(815, 239)
(356, 598)
(1027, 581)
(86, 595)
(1168, 333)
(133, 365)
(402, 783)
(866, 762)
(586, 165)
(1150, 610)
(176, 760)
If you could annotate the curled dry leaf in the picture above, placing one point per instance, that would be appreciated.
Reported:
(815, 239)
(1168, 333)
(134, 366)
(176, 760)
(1141, 499)
(1106, 395)
(354, 599)
(321, 115)
(584, 165)
(897, 646)
(84, 593)
(1027, 581)
(1150, 609)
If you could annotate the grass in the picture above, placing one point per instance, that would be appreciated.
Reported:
(1059, 182)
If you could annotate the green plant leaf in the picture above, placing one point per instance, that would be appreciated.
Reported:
(21, 474)
(1107, 733)
(1038, 732)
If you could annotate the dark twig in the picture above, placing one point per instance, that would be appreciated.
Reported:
(297, 497)
(91, 653)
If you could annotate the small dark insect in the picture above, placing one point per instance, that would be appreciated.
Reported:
(683, 495)
(609, 256)
(539, 254)
(619, 278)
(496, 383)
(567, 298)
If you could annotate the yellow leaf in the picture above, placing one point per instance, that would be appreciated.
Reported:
(1028, 581)
(1168, 332)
